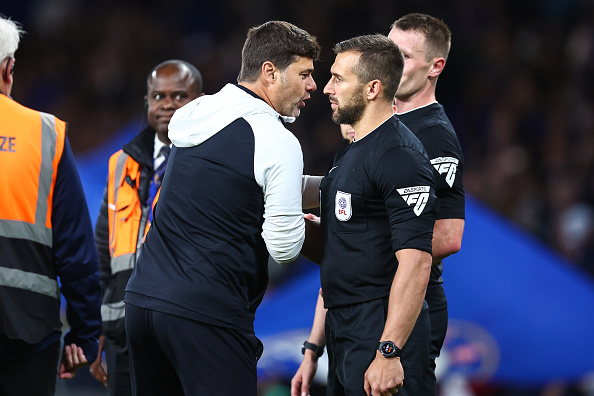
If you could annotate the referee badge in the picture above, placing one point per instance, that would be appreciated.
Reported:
(342, 206)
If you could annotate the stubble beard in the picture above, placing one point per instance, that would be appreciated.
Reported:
(288, 109)
(352, 111)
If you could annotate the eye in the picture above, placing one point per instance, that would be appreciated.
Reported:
(180, 96)
(157, 96)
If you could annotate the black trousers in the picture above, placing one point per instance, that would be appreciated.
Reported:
(438, 313)
(117, 359)
(352, 337)
(171, 355)
(33, 375)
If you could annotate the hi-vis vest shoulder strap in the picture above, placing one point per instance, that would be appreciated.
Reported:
(31, 145)
(127, 217)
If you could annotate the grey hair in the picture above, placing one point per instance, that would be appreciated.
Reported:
(10, 35)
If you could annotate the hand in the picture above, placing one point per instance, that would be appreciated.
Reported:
(303, 377)
(384, 376)
(72, 359)
(96, 369)
(311, 218)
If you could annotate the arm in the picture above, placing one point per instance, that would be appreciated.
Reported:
(102, 236)
(447, 238)
(310, 191)
(405, 303)
(280, 172)
(77, 266)
(102, 244)
(304, 376)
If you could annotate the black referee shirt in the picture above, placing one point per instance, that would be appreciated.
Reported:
(378, 198)
(433, 128)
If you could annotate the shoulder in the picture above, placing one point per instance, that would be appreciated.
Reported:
(402, 139)
(116, 158)
(269, 130)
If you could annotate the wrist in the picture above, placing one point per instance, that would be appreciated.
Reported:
(389, 350)
(313, 349)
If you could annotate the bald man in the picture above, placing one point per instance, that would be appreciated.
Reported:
(126, 210)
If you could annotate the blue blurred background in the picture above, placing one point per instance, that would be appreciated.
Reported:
(519, 89)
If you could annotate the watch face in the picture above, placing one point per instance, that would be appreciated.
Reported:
(388, 349)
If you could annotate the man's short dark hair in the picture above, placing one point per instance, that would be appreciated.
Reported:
(180, 65)
(437, 34)
(278, 42)
(380, 59)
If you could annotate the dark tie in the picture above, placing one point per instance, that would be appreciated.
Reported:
(158, 178)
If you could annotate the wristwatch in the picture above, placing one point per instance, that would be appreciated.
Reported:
(318, 350)
(389, 349)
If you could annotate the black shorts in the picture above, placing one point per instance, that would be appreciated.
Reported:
(171, 355)
(352, 337)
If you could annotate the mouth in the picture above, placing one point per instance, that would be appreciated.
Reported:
(333, 103)
(302, 102)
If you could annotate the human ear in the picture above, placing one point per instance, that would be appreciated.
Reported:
(269, 71)
(373, 89)
(436, 67)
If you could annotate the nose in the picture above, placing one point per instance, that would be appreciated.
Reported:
(328, 89)
(169, 103)
(311, 86)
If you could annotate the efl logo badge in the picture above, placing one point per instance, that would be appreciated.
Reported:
(447, 165)
(418, 195)
(342, 206)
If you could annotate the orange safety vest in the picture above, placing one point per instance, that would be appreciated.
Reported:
(31, 146)
(127, 219)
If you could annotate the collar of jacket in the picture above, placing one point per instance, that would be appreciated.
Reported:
(141, 147)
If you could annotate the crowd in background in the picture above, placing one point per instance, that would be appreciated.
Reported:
(518, 86)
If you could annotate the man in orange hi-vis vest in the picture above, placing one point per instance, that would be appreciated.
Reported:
(46, 236)
(134, 178)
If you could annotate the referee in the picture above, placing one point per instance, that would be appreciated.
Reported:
(377, 222)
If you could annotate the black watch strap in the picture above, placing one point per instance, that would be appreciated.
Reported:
(318, 350)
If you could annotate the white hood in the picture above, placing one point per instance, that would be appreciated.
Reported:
(203, 117)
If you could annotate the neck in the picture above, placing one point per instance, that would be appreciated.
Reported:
(418, 99)
(374, 116)
(259, 90)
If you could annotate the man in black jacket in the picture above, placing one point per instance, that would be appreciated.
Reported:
(135, 174)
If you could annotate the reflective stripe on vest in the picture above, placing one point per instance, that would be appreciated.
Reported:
(30, 281)
(113, 311)
(38, 232)
(125, 261)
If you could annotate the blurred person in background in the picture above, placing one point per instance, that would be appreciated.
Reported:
(135, 174)
(425, 43)
(347, 132)
(232, 195)
(46, 237)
